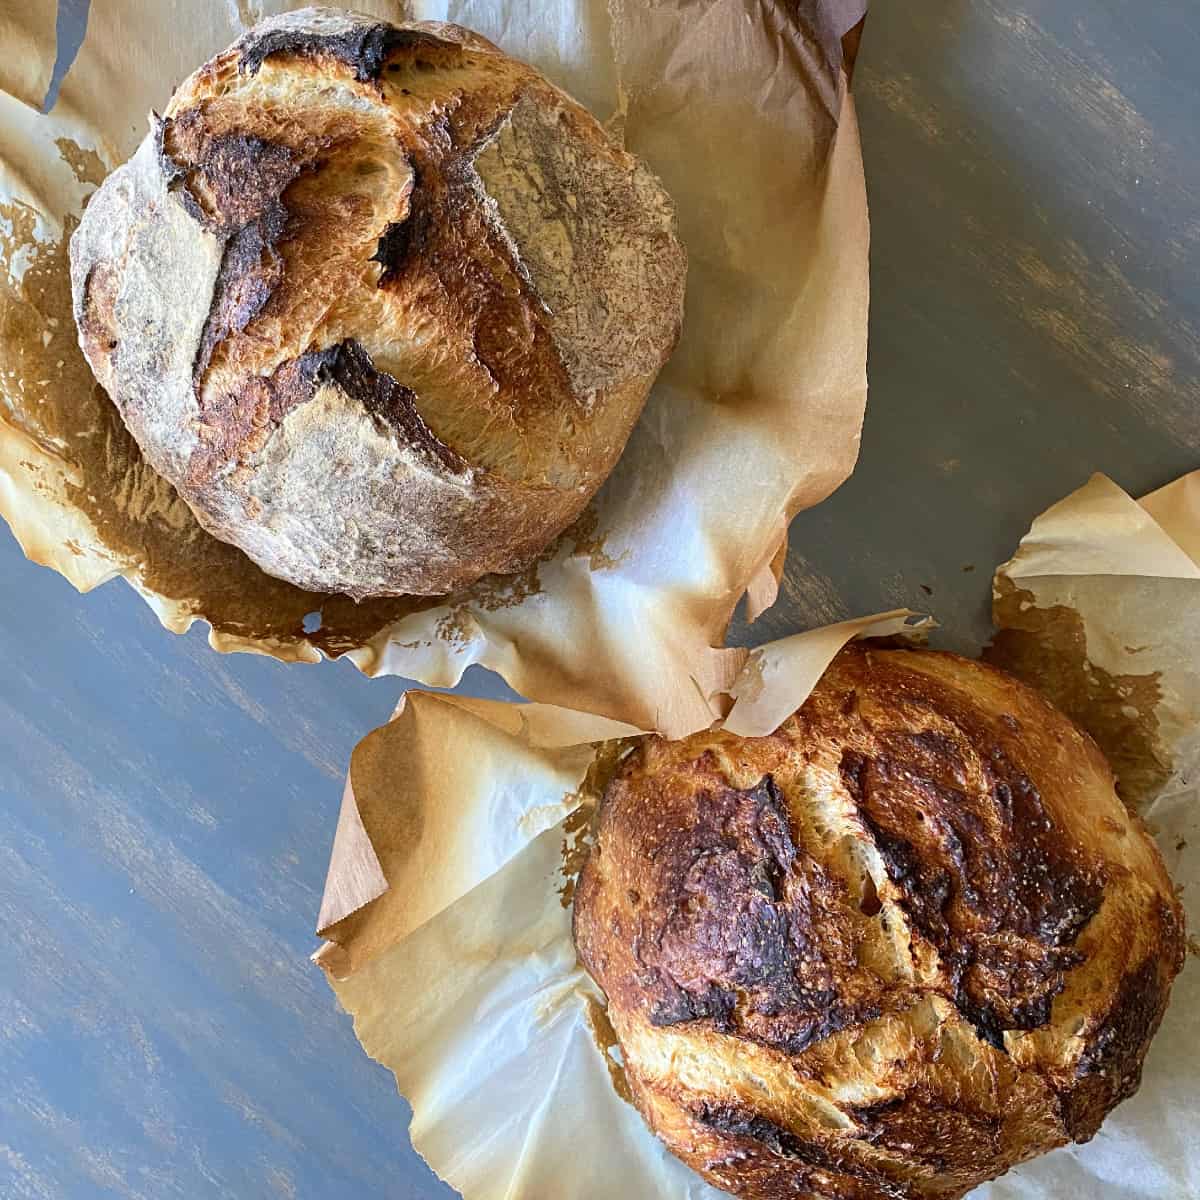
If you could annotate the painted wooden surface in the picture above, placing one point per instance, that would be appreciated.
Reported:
(165, 814)
(1034, 179)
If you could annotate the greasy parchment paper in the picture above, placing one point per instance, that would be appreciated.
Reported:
(28, 37)
(448, 913)
(743, 109)
(447, 907)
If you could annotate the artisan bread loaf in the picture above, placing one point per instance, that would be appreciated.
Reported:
(382, 303)
(908, 940)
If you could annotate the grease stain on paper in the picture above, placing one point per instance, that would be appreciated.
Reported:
(589, 542)
(86, 165)
(605, 1037)
(494, 592)
(576, 845)
(48, 394)
(579, 825)
(1047, 648)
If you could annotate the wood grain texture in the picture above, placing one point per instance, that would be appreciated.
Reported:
(1034, 179)
(1034, 171)
(165, 818)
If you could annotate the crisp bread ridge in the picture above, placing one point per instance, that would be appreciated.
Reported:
(496, 281)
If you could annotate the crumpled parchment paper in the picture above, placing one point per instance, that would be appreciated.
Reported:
(448, 913)
(741, 106)
(27, 34)
(448, 903)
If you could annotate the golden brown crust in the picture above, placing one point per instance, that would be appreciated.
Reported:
(898, 946)
(335, 200)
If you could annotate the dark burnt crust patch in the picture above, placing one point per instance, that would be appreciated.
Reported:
(249, 273)
(738, 941)
(404, 244)
(364, 48)
(1110, 1068)
(390, 403)
(237, 424)
(233, 185)
(943, 1135)
(396, 246)
(225, 180)
(987, 879)
(763, 1142)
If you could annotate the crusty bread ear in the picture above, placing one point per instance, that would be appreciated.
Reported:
(379, 301)
(907, 941)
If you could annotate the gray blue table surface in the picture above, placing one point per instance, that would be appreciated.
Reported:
(166, 813)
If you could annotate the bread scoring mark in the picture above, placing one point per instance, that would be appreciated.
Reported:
(737, 945)
(538, 198)
(758, 1137)
(402, 243)
(389, 402)
(235, 425)
(233, 184)
(226, 180)
(985, 879)
(364, 48)
(942, 1134)
(440, 189)
(1110, 1068)
(450, 236)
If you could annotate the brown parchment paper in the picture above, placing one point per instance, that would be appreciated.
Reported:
(27, 36)
(448, 914)
(742, 107)
(455, 958)
(1100, 608)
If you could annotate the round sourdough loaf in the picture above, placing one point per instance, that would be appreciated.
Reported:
(381, 302)
(905, 942)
